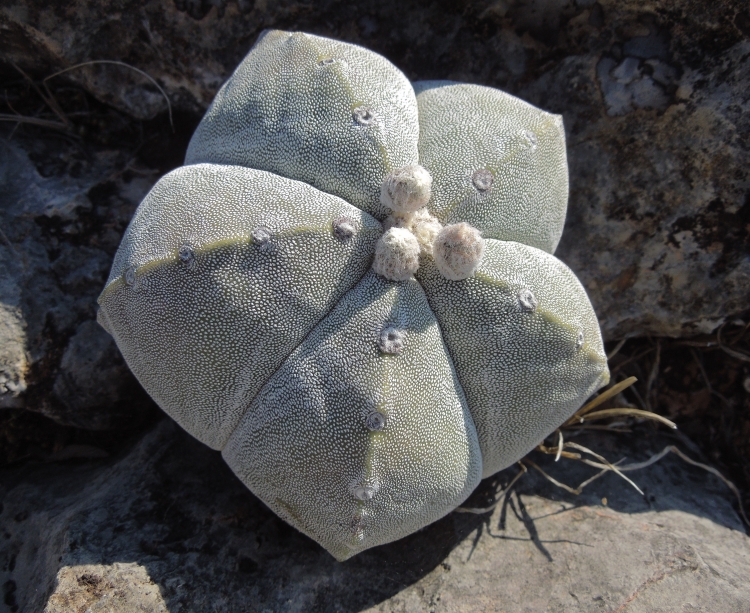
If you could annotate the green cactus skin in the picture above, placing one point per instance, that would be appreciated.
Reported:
(497, 162)
(358, 408)
(204, 335)
(526, 353)
(424, 461)
(336, 116)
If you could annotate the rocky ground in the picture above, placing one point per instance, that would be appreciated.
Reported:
(165, 526)
(107, 506)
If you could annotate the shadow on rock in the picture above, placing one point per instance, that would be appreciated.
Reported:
(168, 527)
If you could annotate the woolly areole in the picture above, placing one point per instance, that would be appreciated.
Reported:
(349, 289)
(396, 254)
(407, 189)
(458, 251)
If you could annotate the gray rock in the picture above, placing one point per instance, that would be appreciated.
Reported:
(53, 357)
(93, 384)
(167, 527)
(121, 587)
(13, 354)
(652, 95)
(658, 232)
(28, 292)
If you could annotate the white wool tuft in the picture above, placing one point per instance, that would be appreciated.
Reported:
(426, 228)
(420, 223)
(396, 255)
(407, 189)
(458, 250)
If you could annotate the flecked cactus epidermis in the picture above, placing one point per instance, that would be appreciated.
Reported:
(360, 396)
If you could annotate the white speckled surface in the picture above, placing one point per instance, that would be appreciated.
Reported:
(203, 337)
(468, 129)
(358, 408)
(423, 462)
(522, 369)
(334, 115)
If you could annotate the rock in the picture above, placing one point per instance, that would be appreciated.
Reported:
(652, 95)
(13, 356)
(167, 527)
(119, 587)
(659, 190)
(30, 297)
(93, 384)
(56, 247)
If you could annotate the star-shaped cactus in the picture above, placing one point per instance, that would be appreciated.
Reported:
(349, 289)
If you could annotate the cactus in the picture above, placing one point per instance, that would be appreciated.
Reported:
(349, 290)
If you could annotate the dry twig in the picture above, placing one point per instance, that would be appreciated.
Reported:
(114, 63)
(604, 466)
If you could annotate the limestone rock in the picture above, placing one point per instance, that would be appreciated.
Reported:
(658, 191)
(93, 383)
(124, 588)
(168, 527)
(53, 357)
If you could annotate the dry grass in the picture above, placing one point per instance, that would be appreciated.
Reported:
(64, 124)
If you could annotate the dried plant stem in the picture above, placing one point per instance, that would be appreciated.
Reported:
(739, 336)
(601, 398)
(554, 481)
(613, 427)
(114, 63)
(681, 455)
(653, 375)
(605, 413)
(7, 242)
(733, 352)
(617, 348)
(606, 466)
(605, 462)
(49, 99)
(631, 359)
(45, 123)
(698, 362)
(559, 445)
(587, 414)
